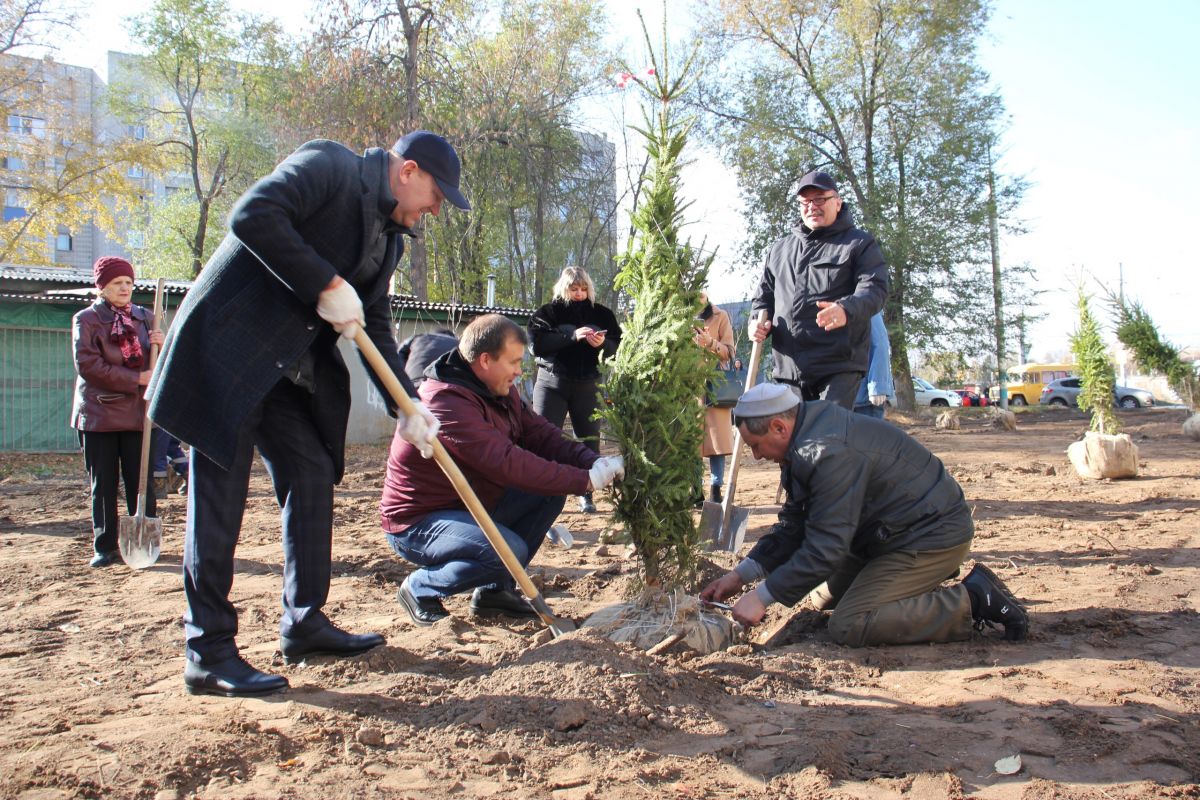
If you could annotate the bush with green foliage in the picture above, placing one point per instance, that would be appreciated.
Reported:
(1140, 336)
(1096, 371)
(654, 382)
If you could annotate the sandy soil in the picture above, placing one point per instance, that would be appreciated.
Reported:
(1102, 702)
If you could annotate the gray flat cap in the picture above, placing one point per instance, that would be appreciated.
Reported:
(766, 400)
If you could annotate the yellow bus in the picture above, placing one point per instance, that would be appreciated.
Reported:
(1025, 382)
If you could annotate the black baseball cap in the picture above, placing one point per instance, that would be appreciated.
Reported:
(434, 155)
(819, 179)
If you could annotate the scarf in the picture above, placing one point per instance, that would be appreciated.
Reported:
(124, 334)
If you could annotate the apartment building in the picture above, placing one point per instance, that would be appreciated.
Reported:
(52, 116)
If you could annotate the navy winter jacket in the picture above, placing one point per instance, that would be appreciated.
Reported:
(252, 312)
(838, 263)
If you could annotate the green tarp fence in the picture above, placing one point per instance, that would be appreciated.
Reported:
(37, 377)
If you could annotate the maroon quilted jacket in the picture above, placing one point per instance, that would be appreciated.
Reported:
(497, 442)
(107, 395)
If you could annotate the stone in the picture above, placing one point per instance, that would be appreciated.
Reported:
(1104, 455)
(568, 716)
(485, 722)
(947, 421)
(1191, 427)
(371, 737)
(494, 757)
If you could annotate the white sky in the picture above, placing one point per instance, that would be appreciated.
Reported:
(1104, 113)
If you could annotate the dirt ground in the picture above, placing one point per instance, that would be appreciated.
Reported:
(1103, 701)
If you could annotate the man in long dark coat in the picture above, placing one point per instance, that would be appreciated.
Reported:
(252, 361)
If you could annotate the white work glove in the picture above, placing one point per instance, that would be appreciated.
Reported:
(878, 399)
(605, 471)
(419, 429)
(340, 307)
(757, 331)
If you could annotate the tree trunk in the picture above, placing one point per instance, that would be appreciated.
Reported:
(418, 253)
(894, 307)
(539, 240)
(198, 242)
(997, 287)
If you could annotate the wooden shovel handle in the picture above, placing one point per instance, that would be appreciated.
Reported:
(147, 425)
(444, 460)
(751, 374)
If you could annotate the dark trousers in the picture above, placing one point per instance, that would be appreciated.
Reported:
(554, 397)
(302, 471)
(840, 388)
(897, 598)
(110, 456)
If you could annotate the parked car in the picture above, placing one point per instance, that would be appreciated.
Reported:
(1064, 392)
(929, 395)
(970, 398)
(1025, 382)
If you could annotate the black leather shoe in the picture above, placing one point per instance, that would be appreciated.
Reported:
(232, 677)
(105, 559)
(992, 602)
(327, 640)
(423, 612)
(500, 602)
(714, 493)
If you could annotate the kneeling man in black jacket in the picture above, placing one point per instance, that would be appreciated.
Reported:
(872, 526)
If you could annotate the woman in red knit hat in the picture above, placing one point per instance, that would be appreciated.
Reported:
(112, 339)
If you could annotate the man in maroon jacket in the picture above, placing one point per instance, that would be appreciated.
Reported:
(520, 466)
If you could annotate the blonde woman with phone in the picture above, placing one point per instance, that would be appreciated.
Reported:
(570, 335)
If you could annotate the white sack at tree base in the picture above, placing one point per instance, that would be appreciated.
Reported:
(1104, 455)
(656, 615)
(1191, 427)
(947, 421)
(1003, 419)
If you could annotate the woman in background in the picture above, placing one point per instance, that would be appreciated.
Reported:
(111, 340)
(716, 335)
(570, 335)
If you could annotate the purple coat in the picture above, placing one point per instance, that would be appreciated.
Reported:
(497, 442)
(107, 395)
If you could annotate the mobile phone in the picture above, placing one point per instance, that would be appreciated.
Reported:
(597, 333)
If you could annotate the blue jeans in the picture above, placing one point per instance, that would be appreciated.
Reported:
(869, 410)
(455, 555)
(166, 452)
(716, 466)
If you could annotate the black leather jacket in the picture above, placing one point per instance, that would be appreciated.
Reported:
(855, 485)
(552, 331)
(839, 263)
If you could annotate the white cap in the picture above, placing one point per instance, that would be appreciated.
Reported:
(766, 400)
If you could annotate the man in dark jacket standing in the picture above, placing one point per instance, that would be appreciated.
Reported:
(252, 362)
(519, 465)
(872, 526)
(821, 285)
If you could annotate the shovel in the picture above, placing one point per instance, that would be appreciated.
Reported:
(139, 536)
(558, 626)
(725, 523)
